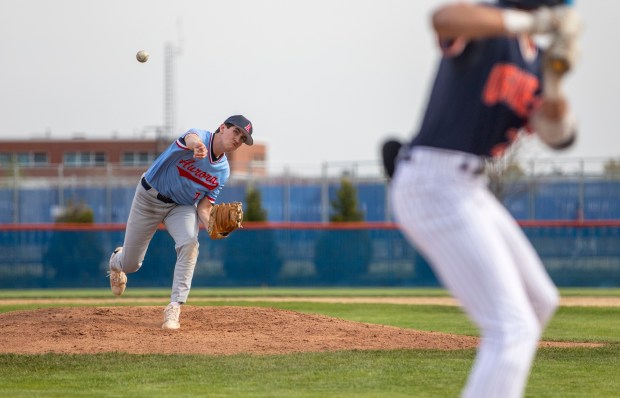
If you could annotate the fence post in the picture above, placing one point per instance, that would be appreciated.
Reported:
(531, 191)
(286, 194)
(108, 193)
(61, 191)
(388, 202)
(15, 193)
(581, 205)
(324, 193)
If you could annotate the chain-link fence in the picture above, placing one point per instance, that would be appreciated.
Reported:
(281, 255)
(531, 190)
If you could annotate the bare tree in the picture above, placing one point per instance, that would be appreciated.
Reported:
(611, 168)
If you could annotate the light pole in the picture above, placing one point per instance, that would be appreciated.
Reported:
(171, 52)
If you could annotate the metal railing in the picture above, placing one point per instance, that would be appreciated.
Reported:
(567, 188)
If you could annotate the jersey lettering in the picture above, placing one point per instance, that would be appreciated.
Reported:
(511, 86)
(188, 170)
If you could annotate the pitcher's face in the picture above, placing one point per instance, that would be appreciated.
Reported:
(232, 137)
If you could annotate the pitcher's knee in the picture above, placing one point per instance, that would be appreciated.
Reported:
(188, 251)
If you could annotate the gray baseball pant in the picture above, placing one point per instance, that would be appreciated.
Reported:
(181, 222)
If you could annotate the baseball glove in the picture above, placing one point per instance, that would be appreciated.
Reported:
(224, 219)
(389, 152)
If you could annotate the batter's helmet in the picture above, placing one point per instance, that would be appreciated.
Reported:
(531, 4)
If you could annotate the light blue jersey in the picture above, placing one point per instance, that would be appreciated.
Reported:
(184, 179)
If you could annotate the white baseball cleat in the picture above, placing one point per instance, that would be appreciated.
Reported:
(118, 279)
(171, 317)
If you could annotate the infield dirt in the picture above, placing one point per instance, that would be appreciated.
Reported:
(219, 330)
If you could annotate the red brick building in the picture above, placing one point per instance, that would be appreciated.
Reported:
(86, 157)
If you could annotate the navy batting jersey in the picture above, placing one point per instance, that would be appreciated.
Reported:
(184, 179)
(482, 97)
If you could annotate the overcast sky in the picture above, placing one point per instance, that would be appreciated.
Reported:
(321, 80)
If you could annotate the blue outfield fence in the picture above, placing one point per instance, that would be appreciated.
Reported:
(286, 254)
(309, 200)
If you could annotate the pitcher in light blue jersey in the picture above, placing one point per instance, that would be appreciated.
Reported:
(178, 190)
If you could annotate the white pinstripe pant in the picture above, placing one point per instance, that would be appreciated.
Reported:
(482, 256)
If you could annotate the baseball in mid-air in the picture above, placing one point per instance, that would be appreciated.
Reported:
(142, 56)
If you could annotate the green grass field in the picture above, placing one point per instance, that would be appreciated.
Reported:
(565, 372)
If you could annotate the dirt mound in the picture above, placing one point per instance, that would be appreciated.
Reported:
(204, 330)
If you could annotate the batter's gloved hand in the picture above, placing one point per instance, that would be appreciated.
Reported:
(224, 219)
(563, 52)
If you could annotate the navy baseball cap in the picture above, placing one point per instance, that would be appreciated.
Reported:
(533, 4)
(244, 124)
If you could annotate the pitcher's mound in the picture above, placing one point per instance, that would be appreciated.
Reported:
(204, 330)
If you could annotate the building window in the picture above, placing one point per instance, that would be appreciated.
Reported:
(40, 159)
(5, 158)
(84, 159)
(70, 159)
(99, 158)
(128, 159)
(137, 158)
(144, 158)
(24, 159)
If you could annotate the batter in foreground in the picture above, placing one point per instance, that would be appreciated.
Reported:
(493, 83)
(179, 189)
